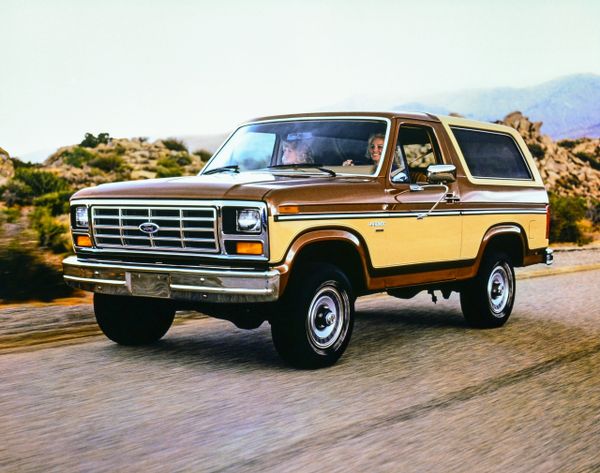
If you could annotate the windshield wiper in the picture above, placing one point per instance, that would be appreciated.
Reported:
(234, 168)
(304, 166)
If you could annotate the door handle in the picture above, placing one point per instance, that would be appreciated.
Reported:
(451, 197)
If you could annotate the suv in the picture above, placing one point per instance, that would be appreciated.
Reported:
(295, 216)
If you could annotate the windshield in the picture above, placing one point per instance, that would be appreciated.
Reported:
(342, 145)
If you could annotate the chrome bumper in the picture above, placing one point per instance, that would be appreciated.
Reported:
(172, 282)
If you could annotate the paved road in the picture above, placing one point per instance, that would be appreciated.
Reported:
(416, 391)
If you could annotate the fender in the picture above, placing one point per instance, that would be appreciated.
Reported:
(502, 229)
(322, 236)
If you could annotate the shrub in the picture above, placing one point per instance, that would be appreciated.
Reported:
(203, 154)
(24, 276)
(30, 182)
(183, 159)
(77, 157)
(91, 141)
(170, 166)
(162, 171)
(180, 159)
(569, 144)
(537, 151)
(16, 193)
(10, 215)
(56, 202)
(593, 213)
(40, 182)
(109, 163)
(52, 234)
(17, 163)
(589, 158)
(568, 181)
(174, 144)
(565, 213)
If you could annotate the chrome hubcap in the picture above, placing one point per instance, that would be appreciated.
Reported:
(327, 316)
(499, 289)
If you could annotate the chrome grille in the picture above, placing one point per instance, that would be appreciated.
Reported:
(190, 229)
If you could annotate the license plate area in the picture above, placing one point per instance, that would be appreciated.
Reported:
(148, 284)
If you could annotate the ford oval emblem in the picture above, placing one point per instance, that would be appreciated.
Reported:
(149, 228)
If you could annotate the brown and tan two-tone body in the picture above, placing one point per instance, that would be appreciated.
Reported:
(382, 235)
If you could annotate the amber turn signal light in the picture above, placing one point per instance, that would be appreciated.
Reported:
(289, 209)
(83, 240)
(249, 248)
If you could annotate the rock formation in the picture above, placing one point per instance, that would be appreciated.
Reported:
(121, 159)
(568, 167)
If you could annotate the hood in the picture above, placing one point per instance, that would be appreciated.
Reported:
(223, 186)
(248, 186)
(277, 189)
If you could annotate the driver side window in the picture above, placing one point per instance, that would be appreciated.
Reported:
(419, 150)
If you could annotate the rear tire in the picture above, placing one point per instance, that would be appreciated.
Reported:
(316, 318)
(487, 301)
(133, 320)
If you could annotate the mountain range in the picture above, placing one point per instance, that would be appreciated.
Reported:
(568, 107)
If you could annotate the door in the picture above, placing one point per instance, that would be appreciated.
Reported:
(415, 232)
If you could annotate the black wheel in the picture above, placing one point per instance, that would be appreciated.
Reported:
(315, 321)
(133, 320)
(487, 300)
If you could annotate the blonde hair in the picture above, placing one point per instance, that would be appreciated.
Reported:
(370, 143)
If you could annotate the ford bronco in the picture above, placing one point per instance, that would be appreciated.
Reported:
(296, 216)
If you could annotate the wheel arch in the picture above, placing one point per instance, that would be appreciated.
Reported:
(509, 238)
(337, 246)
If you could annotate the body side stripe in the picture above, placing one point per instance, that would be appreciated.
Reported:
(441, 213)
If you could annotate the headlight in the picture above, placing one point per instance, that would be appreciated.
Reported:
(248, 221)
(81, 217)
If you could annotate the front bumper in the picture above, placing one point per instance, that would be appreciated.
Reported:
(173, 282)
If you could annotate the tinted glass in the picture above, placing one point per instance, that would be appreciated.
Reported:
(419, 149)
(350, 146)
(491, 155)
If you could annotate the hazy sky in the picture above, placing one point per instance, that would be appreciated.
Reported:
(161, 68)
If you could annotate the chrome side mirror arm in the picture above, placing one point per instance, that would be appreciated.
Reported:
(421, 216)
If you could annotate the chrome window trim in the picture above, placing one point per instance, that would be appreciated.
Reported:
(376, 173)
(492, 178)
(436, 147)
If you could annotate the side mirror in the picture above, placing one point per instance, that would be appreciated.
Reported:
(441, 173)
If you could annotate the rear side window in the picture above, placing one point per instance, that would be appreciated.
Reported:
(491, 155)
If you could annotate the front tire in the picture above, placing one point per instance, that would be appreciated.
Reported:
(133, 320)
(487, 301)
(314, 326)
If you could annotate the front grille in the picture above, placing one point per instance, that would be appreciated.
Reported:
(190, 229)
